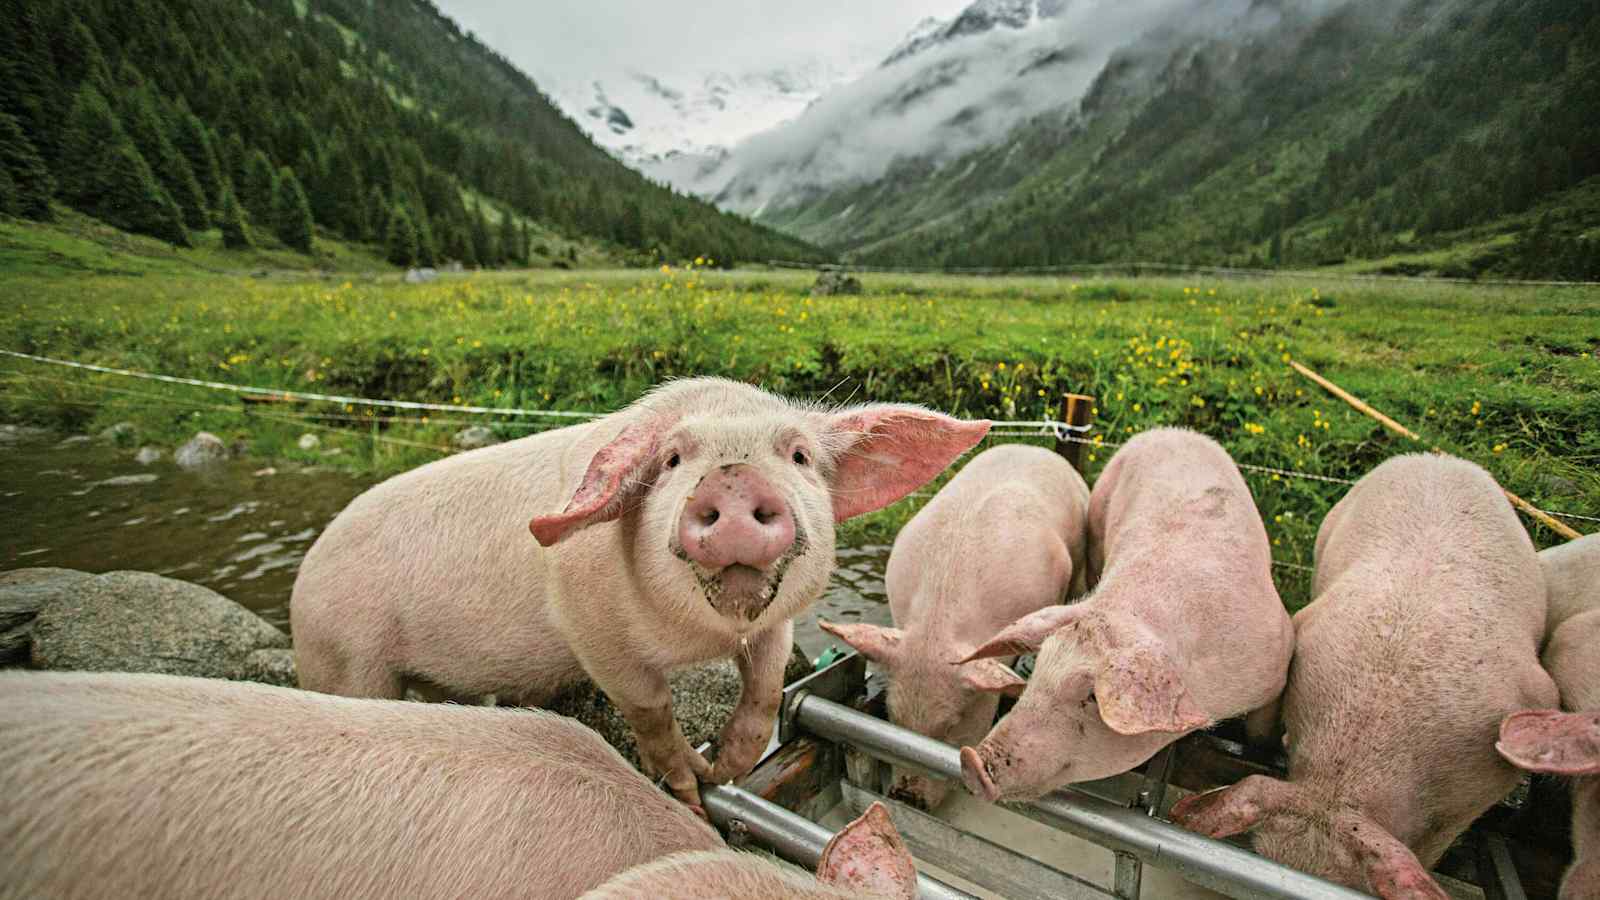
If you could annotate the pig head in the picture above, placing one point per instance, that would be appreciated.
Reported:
(1106, 695)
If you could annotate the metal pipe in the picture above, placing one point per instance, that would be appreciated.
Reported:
(1211, 864)
(790, 835)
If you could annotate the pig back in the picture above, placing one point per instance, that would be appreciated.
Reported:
(151, 785)
(1571, 579)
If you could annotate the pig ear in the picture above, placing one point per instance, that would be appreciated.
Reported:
(1393, 871)
(868, 856)
(992, 677)
(614, 475)
(1136, 684)
(1556, 743)
(876, 643)
(885, 452)
(1232, 810)
(1026, 634)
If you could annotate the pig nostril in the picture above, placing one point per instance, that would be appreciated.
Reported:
(710, 518)
(764, 515)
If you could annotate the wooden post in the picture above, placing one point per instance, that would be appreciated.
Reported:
(1538, 514)
(1076, 409)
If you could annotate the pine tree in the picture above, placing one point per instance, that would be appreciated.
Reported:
(235, 229)
(400, 243)
(427, 248)
(193, 140)
(377, 219)
(513, 249)
(10, 203)
(291, 218)
(147, 124)
(482, 243)
(28, 184)
(128, 196)
(28, 78)
(259, 187)
(91, 132)
(78, 57)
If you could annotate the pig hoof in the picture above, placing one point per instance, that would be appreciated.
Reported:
(976, 775)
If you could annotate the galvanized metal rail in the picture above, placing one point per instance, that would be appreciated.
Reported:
(789, 835)
(1128, 832)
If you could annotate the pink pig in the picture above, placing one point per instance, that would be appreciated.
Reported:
(1568, 743)
(1182, 626)
(120, 785)
(693, 525)
(1003, 539)
(866, 859)
(1424, 633)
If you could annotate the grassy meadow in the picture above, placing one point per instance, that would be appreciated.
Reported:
(1507, 377)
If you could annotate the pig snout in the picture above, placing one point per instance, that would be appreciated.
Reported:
(975, 772)
(735, 517)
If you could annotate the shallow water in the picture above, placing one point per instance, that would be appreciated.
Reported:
(242, 527)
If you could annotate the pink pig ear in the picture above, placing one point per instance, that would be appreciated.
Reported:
(1025, 634)
(1393, 871)
(614, 474)
(888, 451)
(1136, 684)
(868, 856)
(1553, 742)
(1232, 810)
(992, 677)
(872, 641)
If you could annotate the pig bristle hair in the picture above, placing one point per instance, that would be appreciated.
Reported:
(724, 873)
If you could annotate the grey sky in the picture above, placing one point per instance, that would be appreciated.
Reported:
(586, 39)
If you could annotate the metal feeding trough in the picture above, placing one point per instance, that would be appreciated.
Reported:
(831, 751)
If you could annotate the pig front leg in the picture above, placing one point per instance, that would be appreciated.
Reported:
(645, 702)
(761, 662)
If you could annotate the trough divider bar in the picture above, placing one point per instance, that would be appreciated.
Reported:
(789, 835)
(1211, 864)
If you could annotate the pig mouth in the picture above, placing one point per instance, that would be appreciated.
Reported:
(744, 592)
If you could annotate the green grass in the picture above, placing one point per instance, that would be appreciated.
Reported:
(1506, 377)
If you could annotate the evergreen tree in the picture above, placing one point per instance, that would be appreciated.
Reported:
(193, 140)
(400, 243)
(235, 228)
(147, 124)
(513, 249)
(427, 249)
(377, 218)
(127, 195)
(78, 57)
(482, 243)
(28, 79)
(291, 212)
(10, 203)
(28, 184)
(259, 187)
(91, 132)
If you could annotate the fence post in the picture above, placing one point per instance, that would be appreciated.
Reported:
(1076, 409)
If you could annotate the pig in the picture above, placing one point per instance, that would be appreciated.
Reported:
(1568, 743)
(866, 859)
(1181, 627)
(1004, 538)
(1422, 635)
(690, 526)
(127, 785)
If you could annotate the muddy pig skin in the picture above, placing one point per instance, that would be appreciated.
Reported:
(1182, 626)
(690, 526)
(866, 859)
(120, 785)
(1568, 743)
(1423, 634)
(1004, 538)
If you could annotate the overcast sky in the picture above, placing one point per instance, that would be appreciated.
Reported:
(571, 40)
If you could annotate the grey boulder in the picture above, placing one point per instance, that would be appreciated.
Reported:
(474, 437)
(204, 449)
(23, 592)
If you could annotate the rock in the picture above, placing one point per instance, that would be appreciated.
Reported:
(274, 665)
(702, 700)
(122, 434)
(421, 276)
(333, 451)
(1559, 485)
(17, 434)
(474, 437)
(140, 622)
(263, 473)
(204, 449)
(455, 266)
(147, 455)
(73, 441)
(22, 593)
(308, 442)
(834, 281)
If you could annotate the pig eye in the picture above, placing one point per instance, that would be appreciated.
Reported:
(672, 463)
(800, 458)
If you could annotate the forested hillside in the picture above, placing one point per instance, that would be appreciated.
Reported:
(376, 122)
(1379, 131)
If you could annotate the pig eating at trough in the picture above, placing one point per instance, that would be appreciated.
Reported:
(1568, 743)
(866, 860)
(1182, 626)
(1423, 634)
(692, 525)
(1004, 538)
(119, 785)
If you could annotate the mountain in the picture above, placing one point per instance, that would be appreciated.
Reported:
(369, 122)
(1431, 135)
